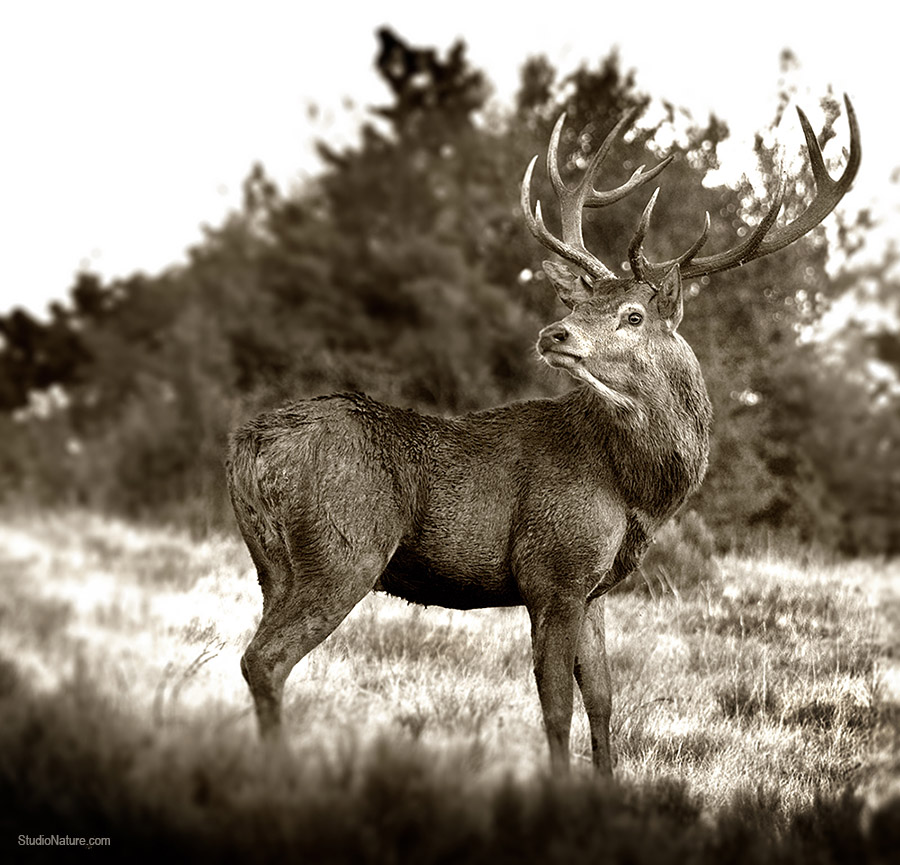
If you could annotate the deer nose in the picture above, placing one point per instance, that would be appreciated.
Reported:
(552, 336)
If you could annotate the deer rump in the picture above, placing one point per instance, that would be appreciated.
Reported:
(458, 512)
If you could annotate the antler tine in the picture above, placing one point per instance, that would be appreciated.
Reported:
(535, 223)
(584, 194)
(639, 178)
(641, 268)
(581, 190)
(559, 187)
(639, 264)
(738, 255)
(572, 201)
(697, 245)
(828, 193)
(591, 197)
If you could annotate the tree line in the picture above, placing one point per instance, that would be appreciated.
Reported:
(403, 269)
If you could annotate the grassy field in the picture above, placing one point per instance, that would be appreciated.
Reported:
(756, 716)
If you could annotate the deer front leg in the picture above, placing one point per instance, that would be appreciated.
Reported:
(555, 629)
(592, 675)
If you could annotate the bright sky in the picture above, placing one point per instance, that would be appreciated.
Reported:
(127, 125)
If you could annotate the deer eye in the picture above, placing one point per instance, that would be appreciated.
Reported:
(634, 318)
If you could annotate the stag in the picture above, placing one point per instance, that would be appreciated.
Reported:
(546, 503)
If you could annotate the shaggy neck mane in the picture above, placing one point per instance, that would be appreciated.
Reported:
(657, 452)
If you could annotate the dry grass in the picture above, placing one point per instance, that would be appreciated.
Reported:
(754, 698)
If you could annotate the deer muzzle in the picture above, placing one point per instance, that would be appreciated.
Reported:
(562, 344)
(556, 338)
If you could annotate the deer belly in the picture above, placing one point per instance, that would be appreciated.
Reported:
(438, 581)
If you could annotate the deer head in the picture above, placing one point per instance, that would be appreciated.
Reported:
(621, 328)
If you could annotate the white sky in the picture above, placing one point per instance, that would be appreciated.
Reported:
(127, 125)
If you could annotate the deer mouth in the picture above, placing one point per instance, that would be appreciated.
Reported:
(572, 363)
(560, 358)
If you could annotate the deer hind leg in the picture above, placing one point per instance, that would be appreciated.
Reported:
(303, 604)
(593, 677)
(554, 630)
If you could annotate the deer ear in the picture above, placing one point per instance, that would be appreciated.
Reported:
(571, 288)
(670, 300)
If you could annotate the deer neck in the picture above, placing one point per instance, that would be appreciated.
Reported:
(656, 452)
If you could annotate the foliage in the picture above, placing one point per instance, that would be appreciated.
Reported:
(404, 270)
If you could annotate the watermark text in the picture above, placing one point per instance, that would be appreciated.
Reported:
(62, 841)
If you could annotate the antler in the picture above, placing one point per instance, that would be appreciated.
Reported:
(642, 268)
(572, 201)
(762, 239)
